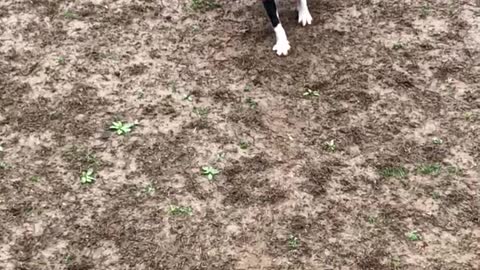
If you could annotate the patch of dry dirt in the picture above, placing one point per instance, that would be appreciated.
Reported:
(396, 85)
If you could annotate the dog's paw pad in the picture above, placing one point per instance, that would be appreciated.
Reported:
(282, 47)
(304, 17)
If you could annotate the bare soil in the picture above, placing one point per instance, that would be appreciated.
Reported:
(395, 89)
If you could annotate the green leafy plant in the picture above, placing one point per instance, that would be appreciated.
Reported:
(430, 169)
(243, 145)
(35, 178)
(122, 128)
(61, 60)
(210, 172)
(188, 97)
(331, 146)
(4, 165)
(149, 189)
(437, 141)
(397, 46)
(395, 172)
(414, 236)
(88, 177)
(252, 103)
(311, 93)
(293, 242)
(180, 210)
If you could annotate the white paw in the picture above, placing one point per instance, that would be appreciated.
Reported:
(282, 47)
(304, 17)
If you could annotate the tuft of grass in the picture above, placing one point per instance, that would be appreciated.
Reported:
(35, 178)
(176, 210)
(372, 220)
(122, 128)
(430, 169)
(414, 236)
(88, 177)
(394, 172)
(311, 93)
(293, 242)
(331, 146)
(204, 5)
(210, 172)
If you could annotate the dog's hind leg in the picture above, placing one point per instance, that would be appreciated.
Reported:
(282, 46)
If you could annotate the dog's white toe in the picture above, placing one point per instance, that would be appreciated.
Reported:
(304, 17)
(282, 47)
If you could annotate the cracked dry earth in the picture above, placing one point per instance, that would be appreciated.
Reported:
(360, 150)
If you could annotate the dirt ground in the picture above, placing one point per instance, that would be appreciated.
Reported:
(360, 150)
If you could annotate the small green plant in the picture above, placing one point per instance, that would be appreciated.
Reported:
(210, 172)
(69, 15)
(140, 94)
(398, 46)
(149, 189)
(453, 170)
(429, 169)
(35, 178)
(173, 86)
(61, 60)
(69, 259)
(469, 116)
(122, 128)
(310, 93)
(425, 11)
(396, 263)
(414, 236)
(331, 146)
(247, 88)
(204, 5)
(4, 165)
(188, 97)
(252, 103)
(180, 210)
(293, 242)
(437, 141)
(243, 145)
(395, 172)
(435, 195)
(372, 220)
(87, 177)
(202, 112)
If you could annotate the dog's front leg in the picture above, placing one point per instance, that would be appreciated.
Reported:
(282, 46)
